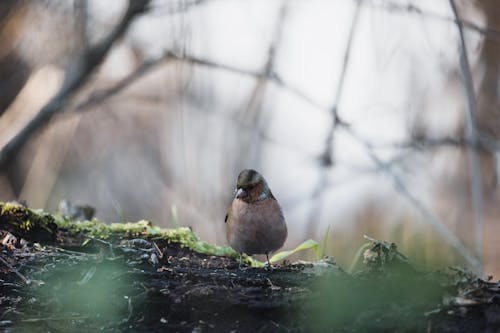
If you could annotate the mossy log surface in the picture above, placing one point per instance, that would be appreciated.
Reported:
(59, 275)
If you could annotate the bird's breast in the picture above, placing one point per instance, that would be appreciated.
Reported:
(257, 227)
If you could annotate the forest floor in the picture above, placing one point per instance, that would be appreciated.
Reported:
(58, 275)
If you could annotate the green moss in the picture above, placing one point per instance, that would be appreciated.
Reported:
(187, 238)
(27, 219)
(97, 229)
(144, 229)
(16, 216)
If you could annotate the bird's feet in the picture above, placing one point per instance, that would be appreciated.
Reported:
(268, 266)
(242, 266)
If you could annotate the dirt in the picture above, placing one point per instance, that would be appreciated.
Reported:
(64, 283)
(185, 291)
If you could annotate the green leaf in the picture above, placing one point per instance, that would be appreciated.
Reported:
(175, 217)
(308, 244)
(324, 243)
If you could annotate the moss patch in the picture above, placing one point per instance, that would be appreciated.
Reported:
(29, 223)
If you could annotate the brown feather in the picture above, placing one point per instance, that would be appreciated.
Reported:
(255, 225)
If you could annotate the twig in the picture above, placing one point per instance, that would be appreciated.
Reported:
(253, 110)
(69, 252)
(412, 9)
(12, 269)
(110, 246)
(130, 309)
(88, 276)
(175, 7)
(485, 143)
(371, 239)
(35, 320)
(80, 22)
(158, 250)
(327, 156)
(272, 76)
(148, 65)
(471, 134)
(102, 95)
(76, 76)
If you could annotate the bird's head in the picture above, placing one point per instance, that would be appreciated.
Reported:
(251, 186)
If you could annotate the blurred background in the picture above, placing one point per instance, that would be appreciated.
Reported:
(376, 117)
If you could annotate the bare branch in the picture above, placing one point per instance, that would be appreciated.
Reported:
(76, 76)
(412, 9)
(174, 7)
(253, 109)
(146, 66)
(327, 158)
(485, 143)
(100, 96)
(12, 269)
(471, 135)
(271, 76)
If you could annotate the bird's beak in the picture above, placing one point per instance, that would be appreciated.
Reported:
(241, 193)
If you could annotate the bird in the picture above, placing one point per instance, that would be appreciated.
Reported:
(254, 222)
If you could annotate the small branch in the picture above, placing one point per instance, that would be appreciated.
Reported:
(80, 22)
(12, 269)
(471, 135)
(327, 157)
(102, 95)
(175, 7)
(108, 244)
(271, 76)
(485, 143)
(36, 320)
(488, 32)
(130, 309)
(253, 110)
(148, 65)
